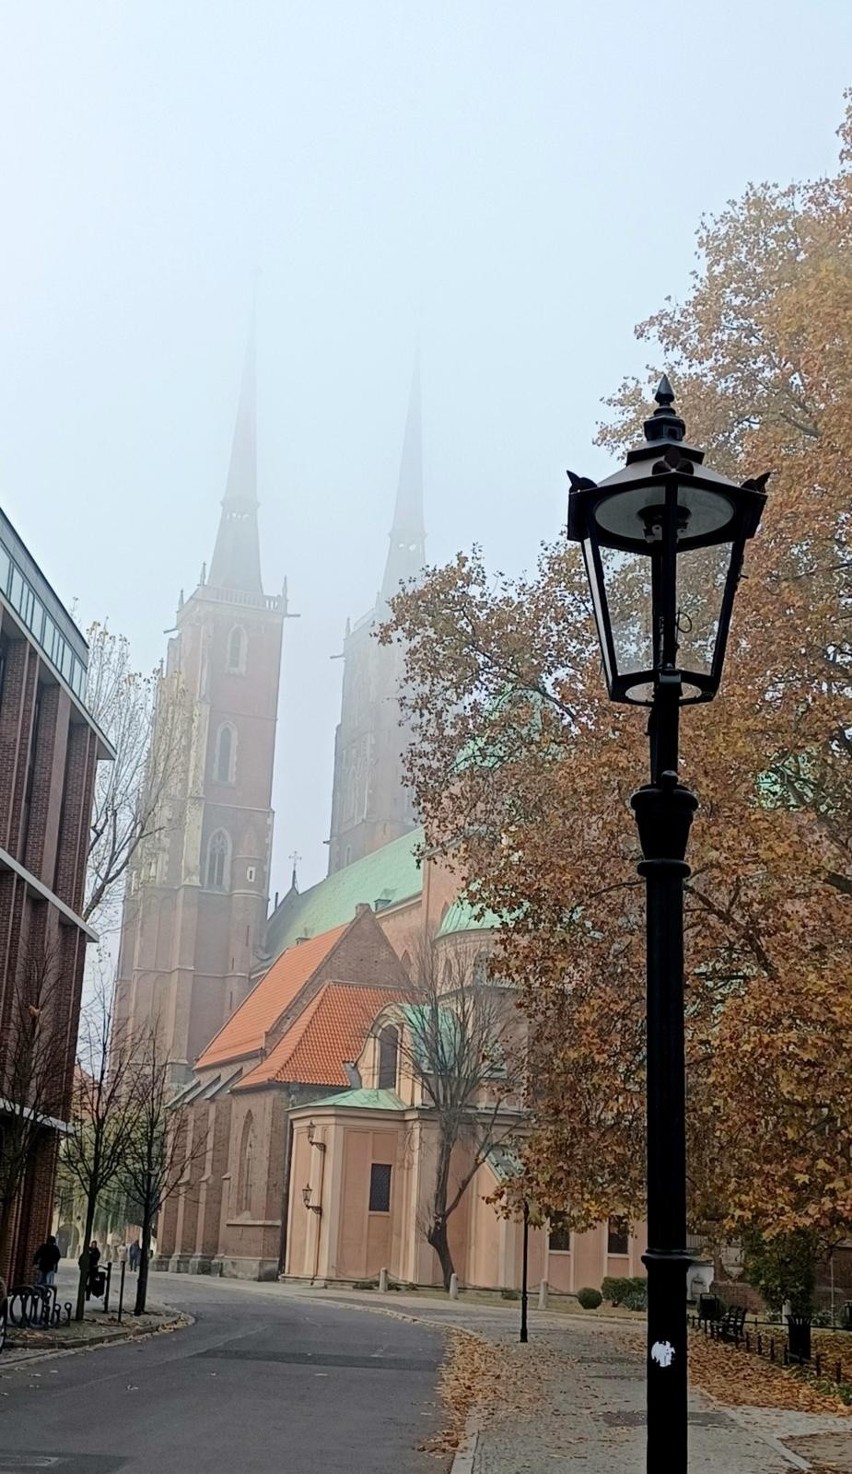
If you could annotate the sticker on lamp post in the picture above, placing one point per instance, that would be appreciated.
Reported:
(663, 1353)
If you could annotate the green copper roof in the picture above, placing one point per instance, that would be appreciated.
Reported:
(363, 1100)
(462, 916)
(390, 875)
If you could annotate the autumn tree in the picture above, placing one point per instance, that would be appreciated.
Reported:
(143, 717)
(161, 1149)
(459, 1040)
(103, 1112)
(523, 770)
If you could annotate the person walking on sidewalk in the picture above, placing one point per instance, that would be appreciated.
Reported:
(46, 1260)
(134, 1254)
(96, 1280)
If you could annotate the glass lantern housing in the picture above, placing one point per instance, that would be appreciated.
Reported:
(663, 541)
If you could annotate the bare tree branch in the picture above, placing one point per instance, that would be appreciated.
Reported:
(144, 718)
(460, 1038)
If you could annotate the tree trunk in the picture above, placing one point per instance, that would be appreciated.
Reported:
(91, 1204)
(437, 1237)
(7, 1220)
(145, 1247)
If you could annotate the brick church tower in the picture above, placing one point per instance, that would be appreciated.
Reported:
(370, 805)
(196, 900)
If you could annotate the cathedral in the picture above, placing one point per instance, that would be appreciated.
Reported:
(310, 1140)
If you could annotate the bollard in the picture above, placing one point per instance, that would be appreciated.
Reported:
(121, 1288)
(454, 1287)
(383, 1281)
(542, 1295)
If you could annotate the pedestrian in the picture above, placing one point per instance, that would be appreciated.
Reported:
(94, 1279)
(46, 1260)
(134, 1255)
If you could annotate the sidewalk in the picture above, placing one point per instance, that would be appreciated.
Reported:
(26, 1345)
(573, 1398)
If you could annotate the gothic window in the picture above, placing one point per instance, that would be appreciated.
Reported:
(226, 747)
(246, 1180)
(237, 650)
(388, 1057)
(617, 1237)
(217, 871)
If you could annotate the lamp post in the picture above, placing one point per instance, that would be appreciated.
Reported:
(525, 1273)
(663, 541)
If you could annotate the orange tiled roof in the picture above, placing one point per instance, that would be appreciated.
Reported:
(245, 1030)
(332, 1029)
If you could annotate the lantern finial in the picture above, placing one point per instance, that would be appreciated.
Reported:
(665, 423)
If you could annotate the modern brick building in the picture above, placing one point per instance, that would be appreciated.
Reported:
(196, 900)
(49, 750)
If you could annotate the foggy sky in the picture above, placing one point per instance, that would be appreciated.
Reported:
(513, 186)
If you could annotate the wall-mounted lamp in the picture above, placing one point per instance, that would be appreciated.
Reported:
(307, 1194)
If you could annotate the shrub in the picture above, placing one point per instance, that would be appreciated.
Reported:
(589, 1299)
(614, 1288)
(617, 1288)
(509, 1294)
(636, 1297)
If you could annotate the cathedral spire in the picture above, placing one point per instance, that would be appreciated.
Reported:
(236, 557)
(407, 552)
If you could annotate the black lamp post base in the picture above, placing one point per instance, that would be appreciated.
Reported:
(667, 1358)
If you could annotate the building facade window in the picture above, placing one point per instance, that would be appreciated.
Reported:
(618, 1236)
(237, 644)
(559, 1237)
(218, 868)
(226, 752)
(380, 1187)
(388, 1057)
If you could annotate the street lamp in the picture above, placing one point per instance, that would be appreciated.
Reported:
(663, 541)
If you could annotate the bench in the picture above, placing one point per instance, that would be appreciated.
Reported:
(732, 1324)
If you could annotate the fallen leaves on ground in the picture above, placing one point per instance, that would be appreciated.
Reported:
(833, 1347)
(486, 1376)
(739, 1378)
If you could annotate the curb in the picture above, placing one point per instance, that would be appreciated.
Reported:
(14, 1359)
(466, 1452)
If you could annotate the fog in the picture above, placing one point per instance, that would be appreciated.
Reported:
(509, 186)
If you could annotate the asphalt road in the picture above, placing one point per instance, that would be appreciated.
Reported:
(262, 1382)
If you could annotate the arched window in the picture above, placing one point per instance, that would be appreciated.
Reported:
(226, 747)
(218, 869)
(237, 650)
(388, 1057)
(246, 1183)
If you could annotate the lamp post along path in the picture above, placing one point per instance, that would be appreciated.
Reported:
(663, 541)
